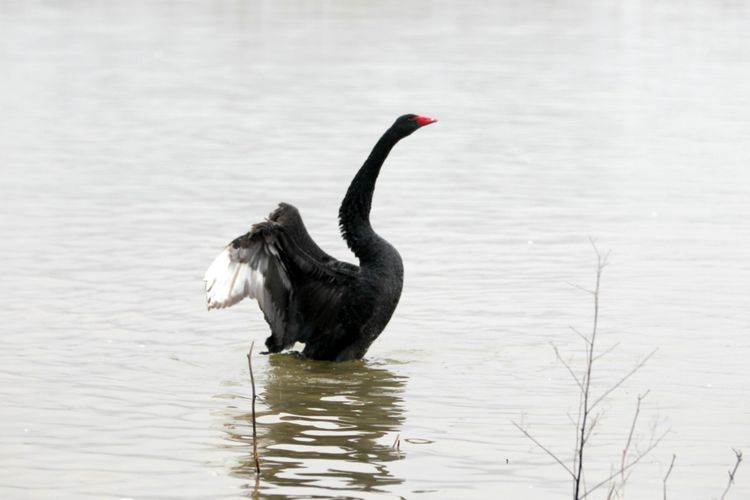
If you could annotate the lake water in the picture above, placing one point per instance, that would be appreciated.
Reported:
(137, 138)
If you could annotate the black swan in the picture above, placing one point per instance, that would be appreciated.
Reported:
(335, 308)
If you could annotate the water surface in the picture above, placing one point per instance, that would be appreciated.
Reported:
(137, 138)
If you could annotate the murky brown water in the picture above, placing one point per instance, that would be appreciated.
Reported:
(137, 138)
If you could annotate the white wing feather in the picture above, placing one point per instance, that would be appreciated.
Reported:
(228, 280)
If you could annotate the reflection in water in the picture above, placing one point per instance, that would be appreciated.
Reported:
(325, 428)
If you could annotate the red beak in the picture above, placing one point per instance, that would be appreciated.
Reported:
(425, 120)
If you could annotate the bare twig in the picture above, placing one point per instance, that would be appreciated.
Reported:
(577, 434)
(586, 386)
(396, 443)
(587, 419)
(632, 428)
(594, 421)
(566, 365)
(666, 476)
(623, 379)
(612, 486)
(570, 417)
(540, 445)
(606, 351)
(585, 338)
(579, 287)
(738, 454)
(628, 466)
(255, 434)
(623, 478)
(603, 259)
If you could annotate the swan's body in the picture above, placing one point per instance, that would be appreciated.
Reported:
(335, 308)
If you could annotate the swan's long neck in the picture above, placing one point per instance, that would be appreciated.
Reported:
(354, 214)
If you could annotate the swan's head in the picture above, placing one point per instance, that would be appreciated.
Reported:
(407, 124)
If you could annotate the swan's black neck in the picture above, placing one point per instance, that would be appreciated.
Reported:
(354, 214)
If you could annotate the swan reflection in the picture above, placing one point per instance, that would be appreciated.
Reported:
(328, 427)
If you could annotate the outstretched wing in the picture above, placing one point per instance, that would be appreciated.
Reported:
(297, 285)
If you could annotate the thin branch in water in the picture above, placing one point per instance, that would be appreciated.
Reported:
(629, 465)
(606, 351)
(397, 443)
(566, 365)
(585, 338)
(632, 427)
(581, 399)
(579, 287)
(666, 476)
(594, 420)
(540, 445)
(613, 486)
(602, 259)
(623, 379)
(570, 418)
(585, 390)
(255, 434)
(626, 449)
(738, 454)
(587, 419)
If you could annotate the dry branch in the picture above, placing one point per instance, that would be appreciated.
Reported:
(628, 466)
(623, 379)
(540, 445)
(586, 386)
(587, 419)
(618, 488)
(566, 365)
(585, 338)
(738, 454)
(632, 428)
(255, 434)
(397, 443)
(666, 476)
(606, 351)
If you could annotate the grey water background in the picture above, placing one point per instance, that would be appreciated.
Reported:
(137, 138)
